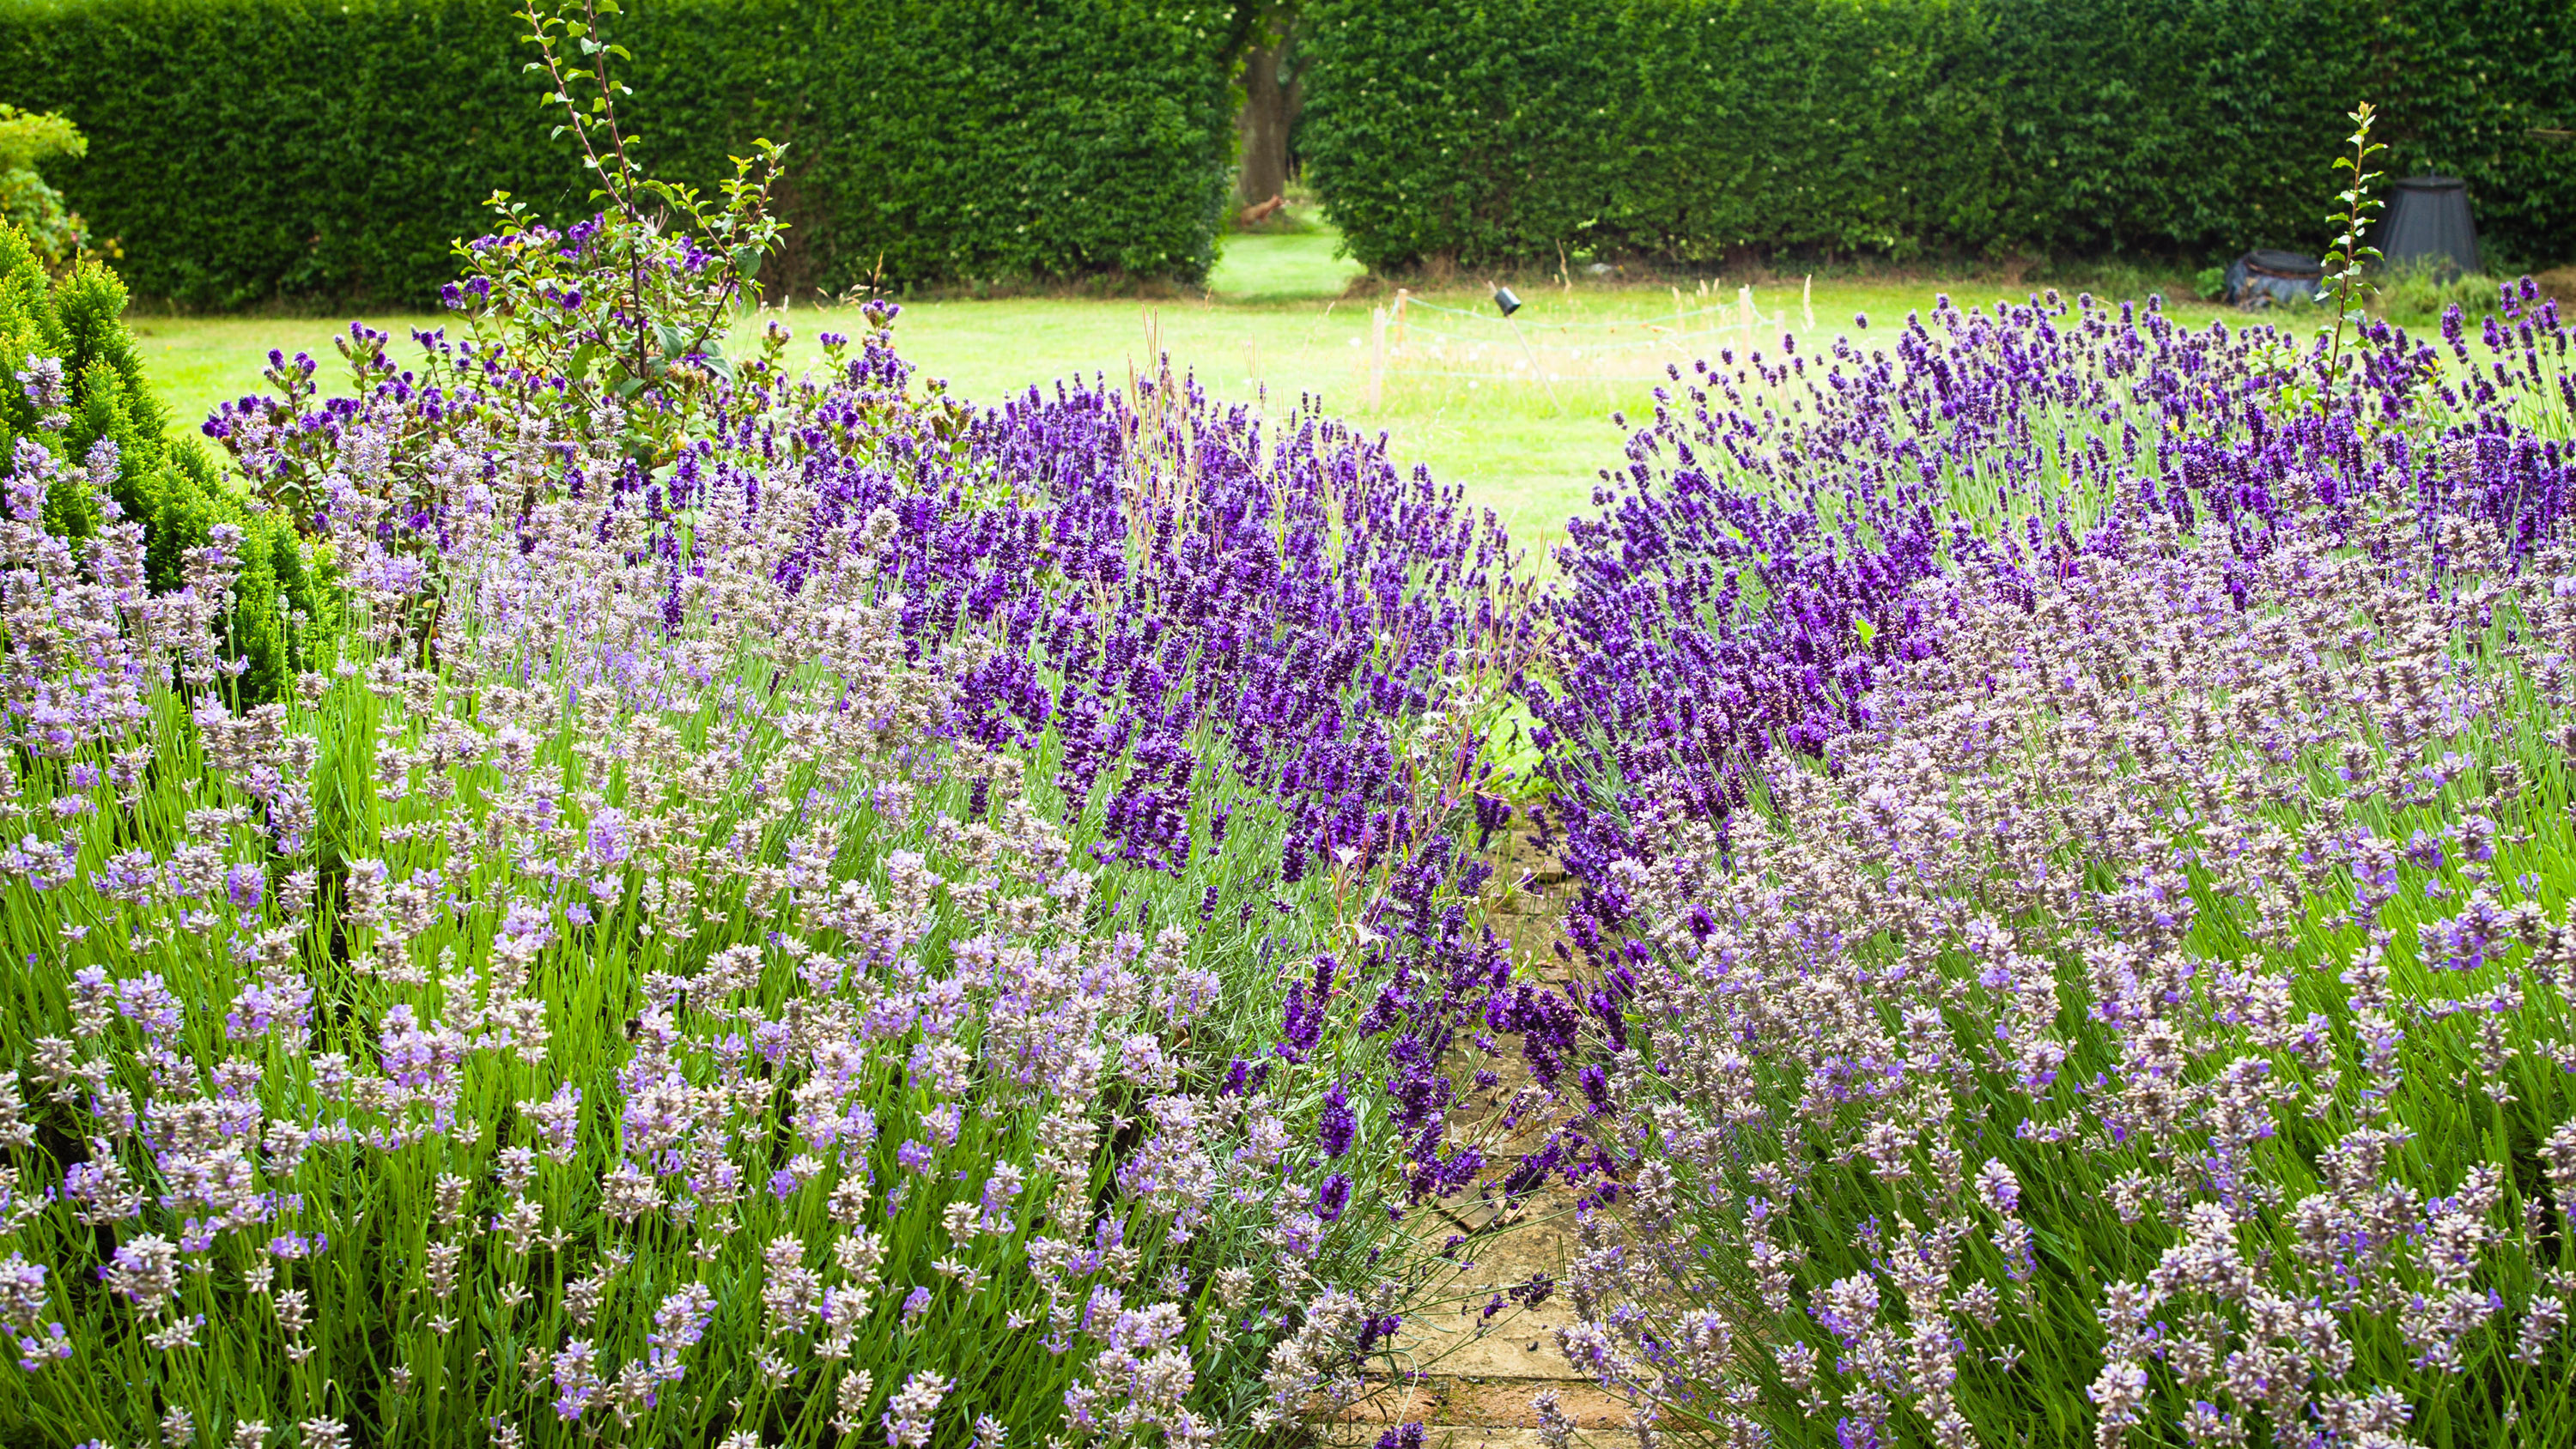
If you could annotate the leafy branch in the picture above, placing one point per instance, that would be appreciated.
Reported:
(2346, 258)
(677, 263)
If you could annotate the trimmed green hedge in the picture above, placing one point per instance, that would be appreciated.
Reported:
(249, 150)
(1498, 131)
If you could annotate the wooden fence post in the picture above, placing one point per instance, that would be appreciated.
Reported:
(1377, 357)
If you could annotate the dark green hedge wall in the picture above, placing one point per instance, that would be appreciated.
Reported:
(1496, 131)
(249, 150)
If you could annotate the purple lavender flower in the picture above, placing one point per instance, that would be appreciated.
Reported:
(1333, 1197)
(678, 1324)
(1303, 1023)
(576, 1379)
(1338, 1124)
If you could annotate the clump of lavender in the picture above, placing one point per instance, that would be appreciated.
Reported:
(766, 929)
(799, 909)
(2140, 1006)
(659, 984)
(1746, 578)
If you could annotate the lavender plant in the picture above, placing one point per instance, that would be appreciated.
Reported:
(2153, 1019)
(2074, 820)
(768, 959)
(1745, 578)
(799, 908)
(81, 396)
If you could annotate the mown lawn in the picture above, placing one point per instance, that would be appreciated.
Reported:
(1276, 323)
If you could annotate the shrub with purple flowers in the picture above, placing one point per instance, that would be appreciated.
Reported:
(724, 936)
(795, 909)
(2075, 823)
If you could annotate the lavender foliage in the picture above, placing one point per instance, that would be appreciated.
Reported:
(2077, 835)
(762, 935)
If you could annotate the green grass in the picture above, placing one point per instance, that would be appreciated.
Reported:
(1276, 323)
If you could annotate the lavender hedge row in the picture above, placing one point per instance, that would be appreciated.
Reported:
(793, 908)
(2075, 813)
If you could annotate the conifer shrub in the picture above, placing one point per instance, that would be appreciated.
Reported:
(80, 396)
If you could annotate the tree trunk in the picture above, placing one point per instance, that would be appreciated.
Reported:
(1263, 127)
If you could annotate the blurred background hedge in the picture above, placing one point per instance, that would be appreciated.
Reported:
(1499, 131)
(247, 151)
(244, 151)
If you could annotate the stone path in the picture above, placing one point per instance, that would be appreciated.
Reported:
(1474, 1387)
(1473, 1379)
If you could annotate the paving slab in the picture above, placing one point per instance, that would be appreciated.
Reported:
(1476, 1436)
(1471, 1378)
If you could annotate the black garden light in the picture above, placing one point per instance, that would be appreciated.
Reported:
(1507, 304)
